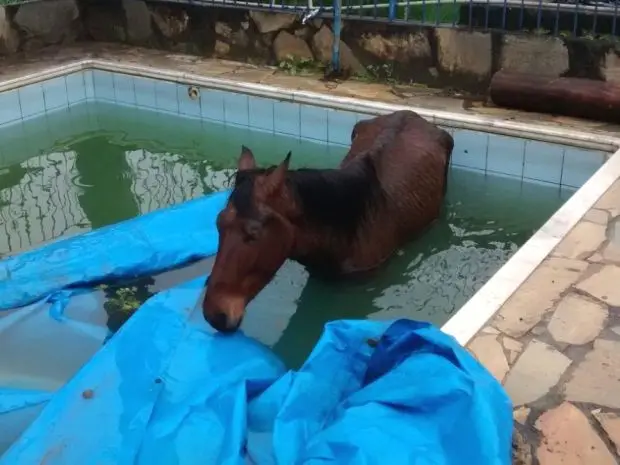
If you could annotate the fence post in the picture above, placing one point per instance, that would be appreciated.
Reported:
(392, 10)
(336, 44)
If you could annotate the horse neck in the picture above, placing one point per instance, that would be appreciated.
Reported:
(332, 205)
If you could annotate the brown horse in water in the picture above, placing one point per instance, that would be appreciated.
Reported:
(389, 188)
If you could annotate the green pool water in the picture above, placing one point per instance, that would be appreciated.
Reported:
(98, 164)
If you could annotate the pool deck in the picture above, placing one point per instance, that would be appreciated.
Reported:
(555, 344)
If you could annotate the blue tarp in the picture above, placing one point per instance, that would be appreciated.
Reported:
(153, 242)
(168, 390)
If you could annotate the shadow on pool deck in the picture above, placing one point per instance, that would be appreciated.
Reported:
(555, 344)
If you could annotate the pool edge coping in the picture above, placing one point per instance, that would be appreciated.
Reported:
(490, 298)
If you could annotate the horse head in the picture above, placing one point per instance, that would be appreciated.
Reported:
(255, 239)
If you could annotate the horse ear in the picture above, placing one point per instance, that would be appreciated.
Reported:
(246, 159)
(276, 178)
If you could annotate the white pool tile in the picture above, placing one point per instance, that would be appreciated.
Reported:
(236, 109)
(261, 113)
(286, 118)
(76, 90)
(339, 126)
(9, 107)
(103, 83)
(145, 93)
(543, 162)
(470, 149)
(55, 94)
(506, 155)
(579, 165)
(31, 100)
(166, 97)
(313, 123)
(212, 104)
(124, 92)
(363, 116)
(89, 85)
(499, 155)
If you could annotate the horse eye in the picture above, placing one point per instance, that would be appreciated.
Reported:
(252, 230)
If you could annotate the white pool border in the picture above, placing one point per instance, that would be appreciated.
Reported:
(483, 305)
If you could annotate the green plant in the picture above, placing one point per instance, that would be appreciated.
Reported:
(124, 299)
(379, 73)
(294, 66)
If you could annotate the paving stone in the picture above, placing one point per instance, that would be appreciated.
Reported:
(569, 439)
(611, 199)
(538, 369)
(597, 216)
(610, 422)
(604, 285)
(536, 296)
(520, 415)
(489, 330)
(521, 449)
(489, 352)
(611, 252)
(613, 230)
(597, 378)
(595, 258)
(583, 240)
(513, 347)
(577, 320)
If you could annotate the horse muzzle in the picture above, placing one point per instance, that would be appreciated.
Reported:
(224, 313)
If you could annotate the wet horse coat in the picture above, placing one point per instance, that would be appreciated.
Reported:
(389, 187)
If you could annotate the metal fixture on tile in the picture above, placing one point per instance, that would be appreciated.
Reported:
(193, 92)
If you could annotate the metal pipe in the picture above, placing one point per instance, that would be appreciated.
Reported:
(392, 9)
(337, 28)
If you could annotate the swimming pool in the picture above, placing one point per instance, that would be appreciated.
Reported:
(94, 147)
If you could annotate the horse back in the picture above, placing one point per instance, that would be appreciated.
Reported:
(409, 153)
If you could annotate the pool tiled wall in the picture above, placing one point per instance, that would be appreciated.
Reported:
(494, 154)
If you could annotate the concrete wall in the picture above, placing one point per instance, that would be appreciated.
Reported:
(437, 57)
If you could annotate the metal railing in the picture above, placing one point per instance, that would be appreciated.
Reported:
(587, 18)
(570, 18)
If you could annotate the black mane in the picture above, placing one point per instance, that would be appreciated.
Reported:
(336, 198)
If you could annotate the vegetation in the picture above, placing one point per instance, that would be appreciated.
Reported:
(299, 66)
(428, 12)
(379, 73)
(123, 299)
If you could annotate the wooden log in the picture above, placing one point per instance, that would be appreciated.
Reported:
(581, 98)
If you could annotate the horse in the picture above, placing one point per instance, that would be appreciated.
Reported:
(338, 222)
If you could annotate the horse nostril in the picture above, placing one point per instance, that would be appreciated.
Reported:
(219, 321)
(222, 323)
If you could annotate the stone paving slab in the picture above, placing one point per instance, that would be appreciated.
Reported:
(555, 344)
(565, 378)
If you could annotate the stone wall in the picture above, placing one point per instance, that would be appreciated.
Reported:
(453, 58)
